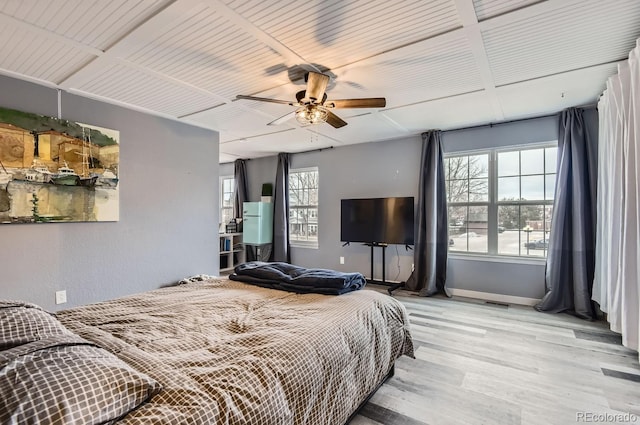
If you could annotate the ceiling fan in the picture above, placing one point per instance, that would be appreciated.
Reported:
(313, 106)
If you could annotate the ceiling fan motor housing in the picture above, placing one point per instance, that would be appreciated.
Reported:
(303, 100)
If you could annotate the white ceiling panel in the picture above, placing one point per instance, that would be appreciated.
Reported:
(368, 127)
(297, 140)
(96, 24)
(555, 93)
(340, 32)
(227, 157)
(416, 73)
(236, 121)
(439, 63)
(488, 8)
(37, 56)
(132, 86)
(202, 47)
(444, 114)
(573, 36)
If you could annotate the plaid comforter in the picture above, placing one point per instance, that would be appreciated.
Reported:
(230, 353)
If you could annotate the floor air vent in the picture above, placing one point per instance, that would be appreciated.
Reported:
(497, 303)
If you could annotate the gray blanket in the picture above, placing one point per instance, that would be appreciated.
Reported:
(298, 279)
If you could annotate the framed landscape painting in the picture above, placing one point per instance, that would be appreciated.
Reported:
(55, 170)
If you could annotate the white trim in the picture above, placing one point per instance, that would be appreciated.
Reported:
(492, 204)
(487, 296)
(467, 14)
(221, 197)
(527, 146)
(306, 244)
(60, 104)
(469, 152)
(510, 259)
(506, 148)
(304, 170)
(299, 244)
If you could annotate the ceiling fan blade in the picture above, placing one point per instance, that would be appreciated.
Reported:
(370, 102)
(283, 118)
(335, 121)
(264, 99)
(316, 85)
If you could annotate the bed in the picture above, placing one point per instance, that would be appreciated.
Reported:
(216, 352)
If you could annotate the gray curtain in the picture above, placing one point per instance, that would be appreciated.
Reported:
(280, 248)
(571, 260)
(431, 243)
(240, 193)
(240, 196)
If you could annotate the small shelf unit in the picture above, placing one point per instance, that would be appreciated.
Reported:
(232, 251)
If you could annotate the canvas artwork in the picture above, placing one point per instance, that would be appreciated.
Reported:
(55, 170)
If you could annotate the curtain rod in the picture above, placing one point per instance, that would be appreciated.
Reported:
(490, 125)
(313, 150)
(493, 124)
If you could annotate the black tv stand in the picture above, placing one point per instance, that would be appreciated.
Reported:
(394, 287)
(399, 284)
(384, 249)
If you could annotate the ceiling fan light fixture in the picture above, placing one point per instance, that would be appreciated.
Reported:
(312, 114)
(312, 105)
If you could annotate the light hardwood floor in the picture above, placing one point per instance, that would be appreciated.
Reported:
(482, 363)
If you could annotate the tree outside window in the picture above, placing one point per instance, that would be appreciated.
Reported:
(500, 202)
(467, 181)
(303, 207)
(227, 186)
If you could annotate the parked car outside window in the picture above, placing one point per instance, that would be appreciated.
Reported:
(537, 244)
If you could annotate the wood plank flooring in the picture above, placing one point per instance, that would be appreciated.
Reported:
(484, 363)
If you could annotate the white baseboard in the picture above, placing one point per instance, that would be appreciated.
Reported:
(487, 296)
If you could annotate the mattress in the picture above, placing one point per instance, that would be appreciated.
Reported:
(226, 352)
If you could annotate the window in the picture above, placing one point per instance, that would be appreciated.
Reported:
(500, 201)
(303, 207)
(227, 186)
(467, 181)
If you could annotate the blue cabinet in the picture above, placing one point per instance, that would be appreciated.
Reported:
(257, 223)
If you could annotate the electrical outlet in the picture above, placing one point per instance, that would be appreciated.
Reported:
(61, 297)
(341, 260)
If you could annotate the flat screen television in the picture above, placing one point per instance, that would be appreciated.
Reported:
(377, 220)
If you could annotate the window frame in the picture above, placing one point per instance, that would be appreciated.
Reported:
(312, 244)
(221, 199)
(493, 203)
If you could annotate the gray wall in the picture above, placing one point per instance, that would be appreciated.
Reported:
(168, 211)
(391, 169)
(259, 171)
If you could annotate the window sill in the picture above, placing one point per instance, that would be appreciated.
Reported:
(299, 245)
(498, 258)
